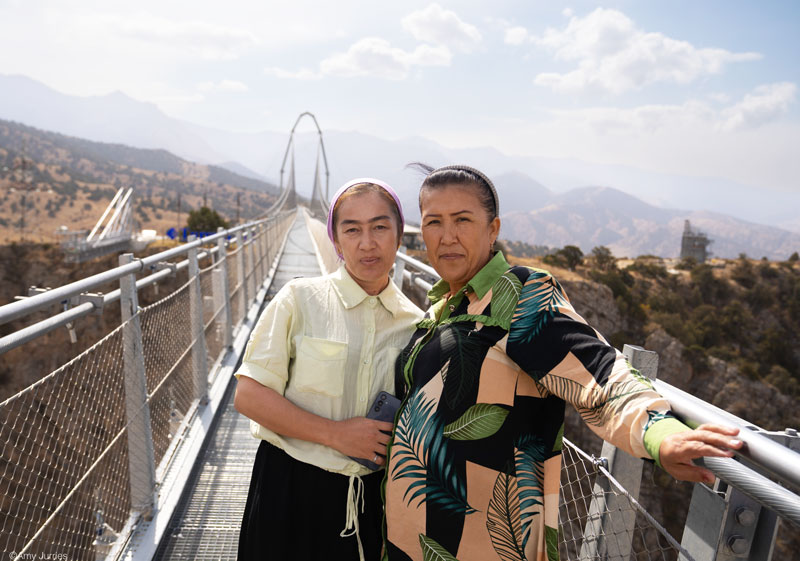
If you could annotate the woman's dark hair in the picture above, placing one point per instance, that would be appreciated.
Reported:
(458, 175)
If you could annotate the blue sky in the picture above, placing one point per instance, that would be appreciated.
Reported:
(702, 88)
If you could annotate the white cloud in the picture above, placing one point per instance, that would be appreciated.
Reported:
(209, 41)
(719, 97)
(612, 54)
(223, 86)
(441, 31)
(516, 35)
(302, 74)
(373, 56)
(642, 119)
(765, 104)
(442, 27)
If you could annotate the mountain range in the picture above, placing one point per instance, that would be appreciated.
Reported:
(543, 201)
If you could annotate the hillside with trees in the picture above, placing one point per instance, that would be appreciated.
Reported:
(69, 182)
(740, 316)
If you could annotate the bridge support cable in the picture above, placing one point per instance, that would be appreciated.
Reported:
(115, 235)
(288, 197)
(319, 203)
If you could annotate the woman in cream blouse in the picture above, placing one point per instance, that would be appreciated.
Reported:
(320, 353)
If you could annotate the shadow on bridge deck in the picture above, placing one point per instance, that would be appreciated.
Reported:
(206, 523)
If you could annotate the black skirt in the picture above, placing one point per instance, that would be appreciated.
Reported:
(296, 511)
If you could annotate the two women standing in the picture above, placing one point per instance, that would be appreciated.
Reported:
(474, 460)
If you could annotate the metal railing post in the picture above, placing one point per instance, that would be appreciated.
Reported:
(270, 230)
(610, 523)
(221, 288)
(399, 267)
(251, 250)
(141, 457)
(199, 357)
(261, 273)
(723, 523)
(241, 271)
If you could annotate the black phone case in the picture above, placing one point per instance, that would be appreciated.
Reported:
(382, 409)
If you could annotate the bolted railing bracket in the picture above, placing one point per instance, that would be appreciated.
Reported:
(95, 298)
(161, 265)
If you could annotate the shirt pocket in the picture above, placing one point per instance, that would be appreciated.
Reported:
(319, 366)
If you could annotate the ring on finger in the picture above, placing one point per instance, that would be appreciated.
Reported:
(375, 459)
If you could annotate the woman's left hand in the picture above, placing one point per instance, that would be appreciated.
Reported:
(678, 450)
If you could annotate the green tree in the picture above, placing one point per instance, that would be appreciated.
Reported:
(603, 258)
(205, 220)
(573, 256)
(794, 257)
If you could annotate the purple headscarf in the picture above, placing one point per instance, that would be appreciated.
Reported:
(346, 186)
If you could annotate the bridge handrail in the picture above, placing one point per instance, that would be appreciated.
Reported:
(417, 264)
(31, 304)
(779, 460)
(31, 332)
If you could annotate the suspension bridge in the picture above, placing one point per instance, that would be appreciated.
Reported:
(132, 450)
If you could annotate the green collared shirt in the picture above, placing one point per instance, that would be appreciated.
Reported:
(480, 284)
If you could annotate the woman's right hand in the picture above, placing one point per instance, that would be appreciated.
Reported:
(360, 437)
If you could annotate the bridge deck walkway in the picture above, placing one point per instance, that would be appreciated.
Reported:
(206, 523)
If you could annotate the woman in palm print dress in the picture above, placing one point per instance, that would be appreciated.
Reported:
(475, 458)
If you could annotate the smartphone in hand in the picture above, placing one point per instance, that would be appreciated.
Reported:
(382, 409)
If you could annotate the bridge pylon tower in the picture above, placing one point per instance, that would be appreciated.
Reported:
(288, 196)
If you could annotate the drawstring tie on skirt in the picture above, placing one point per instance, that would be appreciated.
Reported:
(355, 491)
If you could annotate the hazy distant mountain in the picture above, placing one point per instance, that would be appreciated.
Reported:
(118, 118)
(520, 192)
(541, 189)
(114, 118)
(239, 169)
(593, 216)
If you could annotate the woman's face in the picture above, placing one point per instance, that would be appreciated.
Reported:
(457, 232)
(366, 236)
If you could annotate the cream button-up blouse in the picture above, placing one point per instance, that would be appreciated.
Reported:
(329, 348)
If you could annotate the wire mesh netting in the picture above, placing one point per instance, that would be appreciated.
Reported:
(235, 285)
(64, 467)
(250, 269)
(68, 441)
(213, 312)
(599, 520)
(166, 340)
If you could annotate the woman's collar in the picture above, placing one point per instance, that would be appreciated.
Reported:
(479, 284)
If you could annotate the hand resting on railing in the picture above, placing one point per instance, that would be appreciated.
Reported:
(678, 450)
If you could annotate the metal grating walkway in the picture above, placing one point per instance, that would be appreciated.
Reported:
(206, 523)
